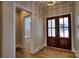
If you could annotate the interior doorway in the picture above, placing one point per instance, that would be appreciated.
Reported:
(27, 32)
(59, 31)
(23, 30)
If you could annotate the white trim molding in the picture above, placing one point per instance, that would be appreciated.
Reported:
(38, 49)
(76, 53)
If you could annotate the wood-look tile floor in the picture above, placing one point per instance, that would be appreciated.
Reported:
(46, 52)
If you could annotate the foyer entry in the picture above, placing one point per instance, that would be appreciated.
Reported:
(59, 31)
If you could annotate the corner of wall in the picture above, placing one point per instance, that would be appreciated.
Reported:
(76, 53)
(38, 49)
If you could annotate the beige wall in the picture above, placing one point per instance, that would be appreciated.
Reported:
(0, 28)
(61, 9)
(9, 27)
(76, 18)
(38, 27)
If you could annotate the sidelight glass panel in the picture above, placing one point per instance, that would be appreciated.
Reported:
(53, 32)
(61, 22)
(66, 32)
(27, 26)
(61, 32)
(66, 22)
(49, 23)
(53, 22)
(49, 32)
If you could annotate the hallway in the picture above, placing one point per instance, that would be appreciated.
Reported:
(46, 52)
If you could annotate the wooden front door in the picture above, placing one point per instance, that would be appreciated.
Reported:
(59, 31)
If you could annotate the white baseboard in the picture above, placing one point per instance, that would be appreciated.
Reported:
(77, 54)
(38, 48)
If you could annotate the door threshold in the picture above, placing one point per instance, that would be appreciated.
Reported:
(60, 49)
